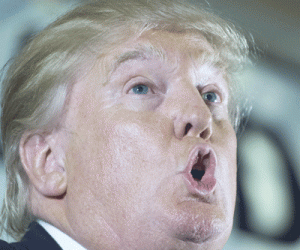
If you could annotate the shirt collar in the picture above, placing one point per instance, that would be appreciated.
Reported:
(62, 239)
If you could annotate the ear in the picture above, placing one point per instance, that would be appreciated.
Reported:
(43, 162)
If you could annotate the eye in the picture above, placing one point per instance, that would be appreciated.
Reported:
(140, 89)
(211, 97)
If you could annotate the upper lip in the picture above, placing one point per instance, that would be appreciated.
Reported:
(198, 152)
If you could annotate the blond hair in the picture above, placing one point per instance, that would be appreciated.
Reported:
(37, 82)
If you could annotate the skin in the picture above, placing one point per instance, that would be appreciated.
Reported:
(120, 155)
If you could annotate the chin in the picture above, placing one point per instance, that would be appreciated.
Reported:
(201, 222)
(202, 228)
(195, 224)
(206, 234)
(192, 219)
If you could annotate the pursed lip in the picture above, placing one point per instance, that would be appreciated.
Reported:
(207, 184)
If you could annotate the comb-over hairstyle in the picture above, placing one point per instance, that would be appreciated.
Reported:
(36, 84)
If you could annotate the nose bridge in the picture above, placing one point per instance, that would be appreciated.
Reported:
(190, 113)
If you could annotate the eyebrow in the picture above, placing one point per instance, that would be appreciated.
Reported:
(149, 51)
(141, 52)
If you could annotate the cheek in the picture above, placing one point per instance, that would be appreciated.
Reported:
(137, 145)
(226, 147)
(123, 154)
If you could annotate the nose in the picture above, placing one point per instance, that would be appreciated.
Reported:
(191, 116)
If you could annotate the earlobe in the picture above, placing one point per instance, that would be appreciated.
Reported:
(43, 164)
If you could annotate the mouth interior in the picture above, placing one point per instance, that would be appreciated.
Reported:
(198, 169)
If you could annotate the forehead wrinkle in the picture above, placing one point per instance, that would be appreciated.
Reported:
(140, 52)
(209, 58)
(202, 56)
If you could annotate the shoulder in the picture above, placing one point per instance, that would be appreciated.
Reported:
(35, 238)
(5, 246)
(11, 246)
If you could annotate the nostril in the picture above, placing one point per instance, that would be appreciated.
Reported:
(187, 128)
(205, 134)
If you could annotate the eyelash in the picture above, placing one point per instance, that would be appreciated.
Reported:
(217, 96)
(140, 85)
(202, 93)
(211, 89)
(151, 87)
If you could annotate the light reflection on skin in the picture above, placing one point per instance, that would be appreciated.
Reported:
(126, 151)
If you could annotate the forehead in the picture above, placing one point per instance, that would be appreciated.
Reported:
(161, 53)
(186, 42)
(166, 46)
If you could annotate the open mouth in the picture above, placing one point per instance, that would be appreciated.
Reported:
(200, 170)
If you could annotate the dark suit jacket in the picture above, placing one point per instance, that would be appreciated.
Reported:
(36, 238)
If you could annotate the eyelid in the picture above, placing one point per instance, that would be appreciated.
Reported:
(150, 90)
(217, 100)
(212, 88)
(133, 82)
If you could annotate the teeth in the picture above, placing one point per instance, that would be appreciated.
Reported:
(197, 158)
(205, 162)
(196, 161)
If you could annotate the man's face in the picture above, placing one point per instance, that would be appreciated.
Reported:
(145, 124)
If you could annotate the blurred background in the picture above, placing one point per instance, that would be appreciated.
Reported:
(268, 203)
